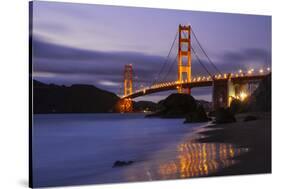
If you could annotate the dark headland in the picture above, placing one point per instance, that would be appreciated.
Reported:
(50, 98)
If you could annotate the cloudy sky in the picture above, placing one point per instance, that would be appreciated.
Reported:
(90, 44)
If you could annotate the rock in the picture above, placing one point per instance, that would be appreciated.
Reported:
(250, 118)
(224, 115)
(122, 163)
(237, 106)
(206, 105)
(212, 113)
(197, 116)
(176, 106)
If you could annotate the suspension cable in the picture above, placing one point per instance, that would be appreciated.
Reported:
(205, 52)
(135, 79)
(166, 60)
(171, 67)
(201, 63)
(199, 60)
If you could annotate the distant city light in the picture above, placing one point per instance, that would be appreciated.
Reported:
(240, 71)
(261, 71)
(268, 69)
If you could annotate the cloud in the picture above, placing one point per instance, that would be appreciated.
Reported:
(251, 57)
(109, 83)
(247, 54)
(64, 59)
(61, 64)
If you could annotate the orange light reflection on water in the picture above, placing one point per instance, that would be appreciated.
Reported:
(199, 159)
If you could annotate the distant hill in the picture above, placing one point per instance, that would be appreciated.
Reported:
(50, 98)
(145, 105)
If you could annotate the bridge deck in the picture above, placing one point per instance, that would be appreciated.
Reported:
(194, 84)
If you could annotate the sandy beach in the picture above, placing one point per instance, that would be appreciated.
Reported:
(254, 135)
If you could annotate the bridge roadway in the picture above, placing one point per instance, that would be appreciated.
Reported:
(196, 82)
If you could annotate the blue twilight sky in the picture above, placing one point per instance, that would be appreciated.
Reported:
(90, 44)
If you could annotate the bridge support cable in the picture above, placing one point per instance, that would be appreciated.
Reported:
(171, 63)
(166, 60)
(201, 63)
(135, 79)
(210, 61)
(171, 68)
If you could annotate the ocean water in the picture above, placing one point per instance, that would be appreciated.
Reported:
(74, 149)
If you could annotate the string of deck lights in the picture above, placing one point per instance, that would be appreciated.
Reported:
(195, 79)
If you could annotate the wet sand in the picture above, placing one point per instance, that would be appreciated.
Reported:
(254, 135)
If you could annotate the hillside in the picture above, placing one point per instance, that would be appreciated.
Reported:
(145, 106)
(50, 98)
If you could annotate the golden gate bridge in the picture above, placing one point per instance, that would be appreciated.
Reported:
(226, 86)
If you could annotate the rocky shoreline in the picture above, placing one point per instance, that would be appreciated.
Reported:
(254, 135)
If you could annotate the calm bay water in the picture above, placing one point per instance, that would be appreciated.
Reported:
(71, 149)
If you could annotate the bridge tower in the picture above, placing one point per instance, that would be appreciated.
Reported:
(128, 79)
(184, 57)
(126, 104)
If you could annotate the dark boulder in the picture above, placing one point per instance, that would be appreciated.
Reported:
(250, 118)
(212, 113)
(206, 105)
(122, 163)
(176, 106)
(237, 106)
(197, 116)
(224, 115)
